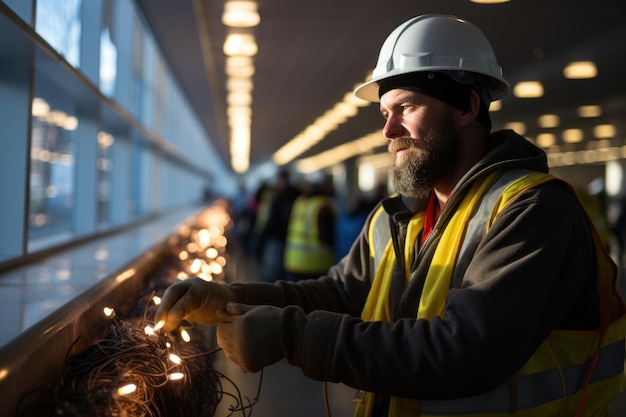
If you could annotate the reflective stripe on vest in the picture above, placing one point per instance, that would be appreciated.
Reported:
(551, 382)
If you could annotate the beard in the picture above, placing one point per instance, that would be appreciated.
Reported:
(426, 161)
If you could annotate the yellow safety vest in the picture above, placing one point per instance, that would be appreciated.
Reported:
(263, 210)
(305, 253)
(573, 373)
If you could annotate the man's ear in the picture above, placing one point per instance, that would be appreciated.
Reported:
(469, 115)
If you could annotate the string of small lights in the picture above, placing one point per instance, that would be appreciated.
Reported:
(137, 370)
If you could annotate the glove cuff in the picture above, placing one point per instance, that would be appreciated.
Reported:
(292, 324)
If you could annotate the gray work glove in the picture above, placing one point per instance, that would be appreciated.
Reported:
(194, 300)
(252, 336)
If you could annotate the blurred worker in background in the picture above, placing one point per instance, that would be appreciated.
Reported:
(309, 249)
(481, 289)
(274, 234)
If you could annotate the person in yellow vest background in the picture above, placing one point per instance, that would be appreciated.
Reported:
(309, 249)
(479, 288)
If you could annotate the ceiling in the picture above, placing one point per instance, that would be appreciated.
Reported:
(311, 53)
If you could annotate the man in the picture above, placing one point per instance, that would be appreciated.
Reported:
(480, 290)
(274, 234)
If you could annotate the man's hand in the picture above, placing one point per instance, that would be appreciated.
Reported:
(251, 335)
(194, 300)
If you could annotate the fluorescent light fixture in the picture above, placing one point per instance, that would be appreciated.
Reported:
(239, 99)
(547, 121)
(242, 84)
(605, 131)
(495, 105)
(528, 89)
(572, 135)
(545, 140)
(518, 127)
(240, 44)
(341, 111)
(580, 70)
(590, 111)
(240, 14)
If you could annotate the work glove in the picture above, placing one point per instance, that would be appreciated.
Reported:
(252, 336)
(194, 300)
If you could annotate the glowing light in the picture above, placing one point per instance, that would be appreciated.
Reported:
(195, 267)
(127, 389)
(156, 300)
(528, 89)
(175, 376)
(159, 325)
(240, 44)
(240, 14)
(495, 105)
(108, 311)
(548, 120)
(590, 111)
(604, 131)
(573, 135)
(149, 330)
(175, 359)
(518, 127)
(580, 70)
(545, 140)
(185, 335)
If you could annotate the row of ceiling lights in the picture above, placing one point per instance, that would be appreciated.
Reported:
(240, 47)
(525, 89)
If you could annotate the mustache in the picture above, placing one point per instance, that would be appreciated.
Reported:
(404, 142)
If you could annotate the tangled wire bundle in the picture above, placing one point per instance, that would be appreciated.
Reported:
(135, 371)
(131, 373)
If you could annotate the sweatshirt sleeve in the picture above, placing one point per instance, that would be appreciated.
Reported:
(533, 272)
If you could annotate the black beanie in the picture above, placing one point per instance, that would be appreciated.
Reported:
(439, 86)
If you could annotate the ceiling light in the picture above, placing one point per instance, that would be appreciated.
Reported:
(240, 149)
(545, 140)
(240, 72)
(518, 127)
(243, 85)
(590, 111)
(604, 131)
(495, 105)
(572, 135)
(580, 70)
(239, 99)
(239, 61)
(240, 14)
(240, 44)
(528, 89)
(547, 121)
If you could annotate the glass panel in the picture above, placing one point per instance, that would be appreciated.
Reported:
(104, 166)
(108, 52)
(58, 22)
(52, 171)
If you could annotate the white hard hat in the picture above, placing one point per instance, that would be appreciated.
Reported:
(441, 43)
